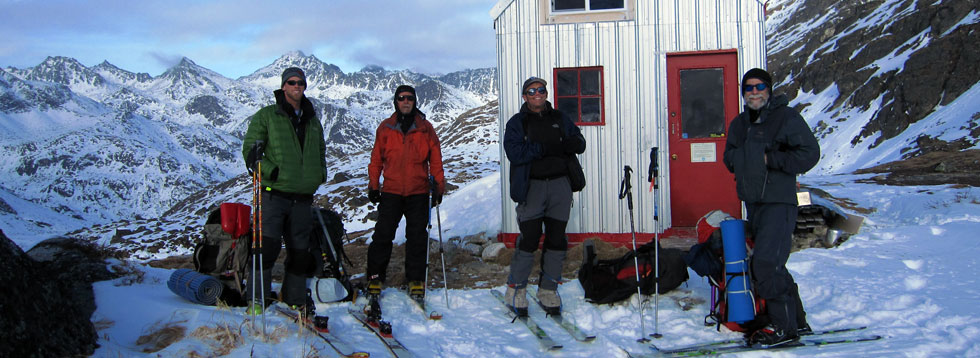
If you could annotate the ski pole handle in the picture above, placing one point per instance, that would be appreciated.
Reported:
(654, 170)
(626, 187)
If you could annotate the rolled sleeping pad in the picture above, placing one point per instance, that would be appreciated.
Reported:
(738, 287)
(195, 286)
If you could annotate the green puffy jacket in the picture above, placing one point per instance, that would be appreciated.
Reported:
(286, 166)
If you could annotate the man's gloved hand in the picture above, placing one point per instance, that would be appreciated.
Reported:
(254, 156)
(374, 196)
(436, 199)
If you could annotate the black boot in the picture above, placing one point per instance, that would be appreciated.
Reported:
(772, 336)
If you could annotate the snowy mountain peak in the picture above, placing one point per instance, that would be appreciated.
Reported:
(66, 71)
(186, 80)
(110, 71)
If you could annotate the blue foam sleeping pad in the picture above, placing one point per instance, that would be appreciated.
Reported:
(195, 286)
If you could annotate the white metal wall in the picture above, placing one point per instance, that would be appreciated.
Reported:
(633, 55)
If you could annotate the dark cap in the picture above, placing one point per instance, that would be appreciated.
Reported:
(290, 73)
(405, 88)
(760, 74)
(531, 80)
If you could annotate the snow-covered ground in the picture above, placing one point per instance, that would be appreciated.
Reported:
(910, 275)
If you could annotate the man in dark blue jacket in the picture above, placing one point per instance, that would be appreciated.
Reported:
(768, 145)
(539, 142)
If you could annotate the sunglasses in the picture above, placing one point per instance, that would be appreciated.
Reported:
(296, 83)
(534, 91)
(405, 98)
(757, 87)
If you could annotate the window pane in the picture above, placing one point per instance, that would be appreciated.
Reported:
(568, 106)
(591, 110)
(702, 103)
(590, 83)
(567, 83)
(569, 4)
(605, 4)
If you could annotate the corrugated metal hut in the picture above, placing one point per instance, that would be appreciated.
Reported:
(637, 75)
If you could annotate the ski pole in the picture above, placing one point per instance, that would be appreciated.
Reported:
(261, 259)
(442, 256)
(625, 189)
(255, 231)
(653, 172)
(428, 229)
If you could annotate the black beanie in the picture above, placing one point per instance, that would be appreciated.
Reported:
(292, 72)
(761, 74)
(405, 88)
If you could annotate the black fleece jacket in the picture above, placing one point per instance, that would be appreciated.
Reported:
(766, 156)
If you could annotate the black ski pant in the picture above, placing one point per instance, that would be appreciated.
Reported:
(772, 228)
(548, 203)
(415, 209)
(286, 218)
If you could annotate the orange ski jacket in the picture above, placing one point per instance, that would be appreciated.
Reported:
(406, 159)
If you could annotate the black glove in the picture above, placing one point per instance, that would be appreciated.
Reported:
(374, 196)
(254, 156)
(570, 145)
(436, 199)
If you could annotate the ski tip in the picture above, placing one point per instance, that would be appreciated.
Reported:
(555, 347)
(434, 315)
(359, 355)
(588, 339)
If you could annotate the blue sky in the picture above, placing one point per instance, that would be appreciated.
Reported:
(235, 38)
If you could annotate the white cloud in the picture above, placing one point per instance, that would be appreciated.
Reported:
(235, 38)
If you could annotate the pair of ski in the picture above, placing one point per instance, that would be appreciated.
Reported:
(543, 338)
(318, 326)
(381, 328)
(817, 338)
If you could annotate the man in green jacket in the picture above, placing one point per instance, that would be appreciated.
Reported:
(288, 139)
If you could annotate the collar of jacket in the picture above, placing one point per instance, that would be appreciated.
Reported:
(392, 122)
(547, 109)
(774, 103)
(283, 107)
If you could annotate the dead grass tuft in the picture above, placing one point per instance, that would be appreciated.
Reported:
(161, 336)
(222, 338)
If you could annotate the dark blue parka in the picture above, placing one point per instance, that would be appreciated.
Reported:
(521, 152)
(766, 156)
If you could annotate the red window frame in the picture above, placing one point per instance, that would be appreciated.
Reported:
(577, 116)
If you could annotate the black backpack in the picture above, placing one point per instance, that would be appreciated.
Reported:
(224, 248)
(609, 281)
(328, 248)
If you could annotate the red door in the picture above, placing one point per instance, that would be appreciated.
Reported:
(702, 98)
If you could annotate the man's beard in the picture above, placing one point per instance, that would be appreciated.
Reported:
(755, 105)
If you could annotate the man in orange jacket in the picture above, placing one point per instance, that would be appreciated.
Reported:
(406, 151)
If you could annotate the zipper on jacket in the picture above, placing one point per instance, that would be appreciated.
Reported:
(765, 180)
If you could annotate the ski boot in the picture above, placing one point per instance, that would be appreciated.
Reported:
(550, 301)
(516, 299)
(772, 336)
(416, 290)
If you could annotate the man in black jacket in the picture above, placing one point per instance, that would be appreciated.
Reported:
(539, 141)
(768, 145)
